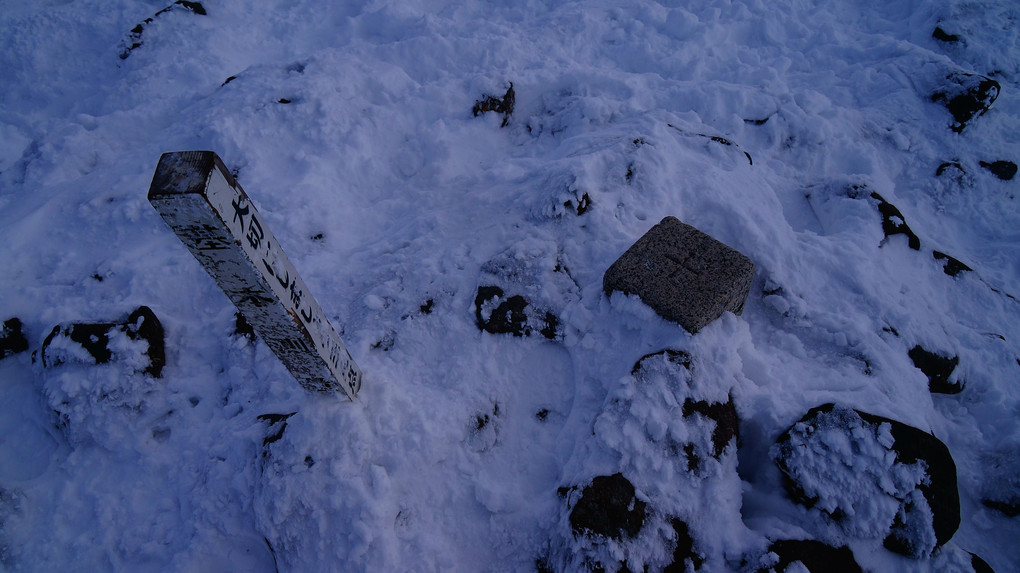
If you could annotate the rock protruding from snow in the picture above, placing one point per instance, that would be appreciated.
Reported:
(134, 39)
(500, 314)
(815, 556)
(521, 291)
(938, 369)
(136, 341)
(873, 476)
(503, 105)
(950, 265)
(1005, 170)
(893, 222)
(966, 96)
(608, 507)
(685, 275)
(12, 340)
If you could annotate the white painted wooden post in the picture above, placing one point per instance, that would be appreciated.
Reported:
(210, 213)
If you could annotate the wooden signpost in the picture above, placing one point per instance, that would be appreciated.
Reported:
(210, 213)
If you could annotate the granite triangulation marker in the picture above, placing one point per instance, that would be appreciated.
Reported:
(685, 275)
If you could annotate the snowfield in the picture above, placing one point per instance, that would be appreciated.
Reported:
(820, 139)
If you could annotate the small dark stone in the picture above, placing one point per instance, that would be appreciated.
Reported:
(949, 165)
(481, 420)
(725, 417)
(228, 80)
(94, 338)
(277, 425)
(937, 368)
(1004, 170)
(980, 565)
(542, 414)
(584, 203)
(317, 237)
(967, 96)
(950, 265)
(143, 324)
(134, 38)
(1010, 509)
(427, 307)
(513, 315)
(195, 7)
(12, 340)
(504, 105)
(608, 507)
(309, 462)
(283, 100)
(386, 342)
(243, 328)
(893, 222)
(675, 356)
(684, 550)
(816, 556)
(942, 36)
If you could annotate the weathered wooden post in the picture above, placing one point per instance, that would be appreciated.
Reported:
(210, 213)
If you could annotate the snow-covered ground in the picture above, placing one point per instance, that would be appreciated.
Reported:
(768, 125)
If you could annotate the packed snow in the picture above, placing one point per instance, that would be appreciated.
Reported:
(809, 136)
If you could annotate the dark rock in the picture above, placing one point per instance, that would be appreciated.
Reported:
(950, 265)
(979, 564)
(684, 551)
(675, 365)
(1004, 170)
(949, 165)
(427, 307)
(12, 340)
(386, 342)
(277, 424)
(717, 139)
(685, 275)
(893, 222)
(134, 38)
(967, 96)
(816, 556)
(608, 507)
(94, 338)
(910, 445)
(938, 369)
(583, 204)
(512, 315)
(504, 105)
(678, 357)
(942, 36)
(725, 417)
(242, 328)
(1008, 508)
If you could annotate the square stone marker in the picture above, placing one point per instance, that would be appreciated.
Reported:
(683, 274)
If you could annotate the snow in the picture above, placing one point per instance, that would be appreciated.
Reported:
(416, 200)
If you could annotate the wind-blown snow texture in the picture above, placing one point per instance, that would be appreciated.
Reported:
(767, 125)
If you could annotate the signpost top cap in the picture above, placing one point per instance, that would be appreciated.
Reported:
(183, 172)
